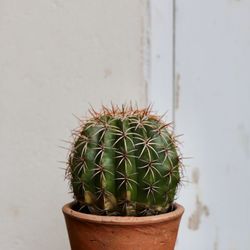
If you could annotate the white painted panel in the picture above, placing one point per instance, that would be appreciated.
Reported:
(212, 110)
(161, 59)
(56, 56)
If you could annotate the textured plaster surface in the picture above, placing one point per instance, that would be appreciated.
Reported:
(56, 56)
(212, 92)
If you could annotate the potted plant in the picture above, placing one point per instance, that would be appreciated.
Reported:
(124, 169)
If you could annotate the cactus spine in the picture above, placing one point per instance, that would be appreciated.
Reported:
(124, 161)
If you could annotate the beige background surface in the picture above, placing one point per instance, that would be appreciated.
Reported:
(188, 57)
(55, 58)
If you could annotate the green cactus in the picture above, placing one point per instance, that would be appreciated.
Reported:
(124, 161)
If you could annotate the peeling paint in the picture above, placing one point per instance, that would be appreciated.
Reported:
(195, 219)
(195, 175)
(177, 91)
(216, 245)
(14, 211)
(107, 73)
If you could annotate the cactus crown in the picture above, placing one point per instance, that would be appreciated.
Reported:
(124, 161)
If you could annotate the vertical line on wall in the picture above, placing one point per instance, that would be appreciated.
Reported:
(146, 47)
(174, 62)
(148, 43)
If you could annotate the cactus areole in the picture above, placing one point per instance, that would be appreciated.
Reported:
(124, 161)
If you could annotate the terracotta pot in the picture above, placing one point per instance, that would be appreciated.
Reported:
(95, 232)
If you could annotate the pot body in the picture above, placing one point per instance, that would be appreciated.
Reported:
(95, 232)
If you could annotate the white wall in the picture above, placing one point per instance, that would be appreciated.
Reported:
(160, 90)
(210, 89)
(212, 110)
(56, 56)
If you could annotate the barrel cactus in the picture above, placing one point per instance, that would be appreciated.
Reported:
(124, 161)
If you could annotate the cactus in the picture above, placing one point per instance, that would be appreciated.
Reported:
(124, 161)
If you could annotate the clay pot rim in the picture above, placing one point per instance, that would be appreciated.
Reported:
(123, 220)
